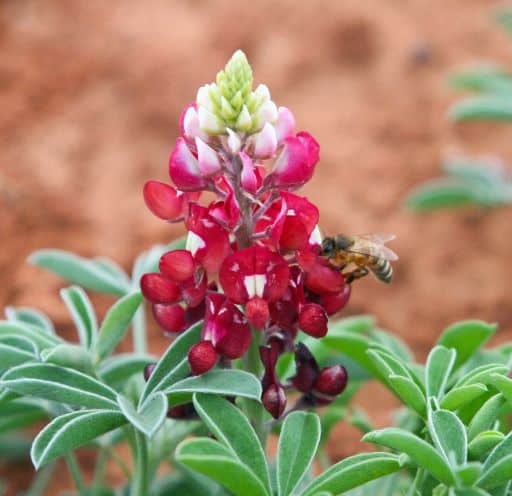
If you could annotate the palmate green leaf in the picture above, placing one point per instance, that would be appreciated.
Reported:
(113, 268)
(15, 350)
(235, 432)
(356, 347)
(497, 474)
(116, 323)
(69, 355)
(468, 473)
(18, 414)
(422, 453)
(225, 382)
(117, 369)
(79, 270)
(503, 449)
(449, 436)
(150, 418)
(82, 313)
(298, 442)
(466, 338)
(352, 472)
(30, 316)
(173, 365)
(51, 382)
(358, 323)
(392, 343)
(483, 374)
(471, 491)
(408, 391)
(70, 431)
(504, 385)
(36, 335)
(493, 107)
(214, 460)
(483, 443)
(486, 416)
(439, 366)
(462, 395)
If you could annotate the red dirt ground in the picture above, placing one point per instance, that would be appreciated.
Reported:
(91, 94)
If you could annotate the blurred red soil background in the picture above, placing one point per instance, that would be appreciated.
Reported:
(90, 97)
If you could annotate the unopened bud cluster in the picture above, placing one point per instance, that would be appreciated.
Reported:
(252, 260)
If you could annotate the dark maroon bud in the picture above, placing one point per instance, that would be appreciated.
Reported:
(182, 412)
(306, 369)
(274, 400)
(148, 370)
(269, 356)
(202, 357)
(331, 381)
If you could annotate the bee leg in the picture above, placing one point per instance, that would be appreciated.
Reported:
(355, 274)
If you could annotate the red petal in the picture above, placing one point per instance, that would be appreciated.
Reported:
(178, 265)
(257, 312)
(202, 357)
(334, 302)
(171, 318)
(193, 290)
(163, 200)
(184, 169)
(313, 320)
(255, 271)
(214, 239)
(321, 278)
(158, 288)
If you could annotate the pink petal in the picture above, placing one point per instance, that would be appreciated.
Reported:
(183, 168)
(189, 123)
(296, 163)
(208, 160)
(285, 125)
(179, 265)
(163, 200)
(249, 179)
(158, 288)
(265, 142)
(193, 290)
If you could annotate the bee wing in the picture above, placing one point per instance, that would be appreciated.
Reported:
(374, 248)
(379, 238)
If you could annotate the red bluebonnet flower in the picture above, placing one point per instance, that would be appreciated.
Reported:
(251, 232)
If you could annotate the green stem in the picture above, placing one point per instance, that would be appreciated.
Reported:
(413, 489)
(139, 330)
(254, 409)
(74, 470)
(41, 481)
(140, 483)
(99, 471)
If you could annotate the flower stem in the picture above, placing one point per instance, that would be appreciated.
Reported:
(74, 470)
(254, 409)
(140, 482)
(139, 330)
(99, 471)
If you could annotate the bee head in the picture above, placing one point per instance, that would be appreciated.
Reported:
(328, 245)
(343, 242)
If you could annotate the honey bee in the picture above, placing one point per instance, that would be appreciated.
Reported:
(356, 256)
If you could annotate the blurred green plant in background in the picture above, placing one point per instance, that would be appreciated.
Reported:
(483, 182)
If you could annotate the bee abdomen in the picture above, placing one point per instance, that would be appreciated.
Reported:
(382, 270)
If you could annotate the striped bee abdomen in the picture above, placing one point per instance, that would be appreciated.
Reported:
(382, 269)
